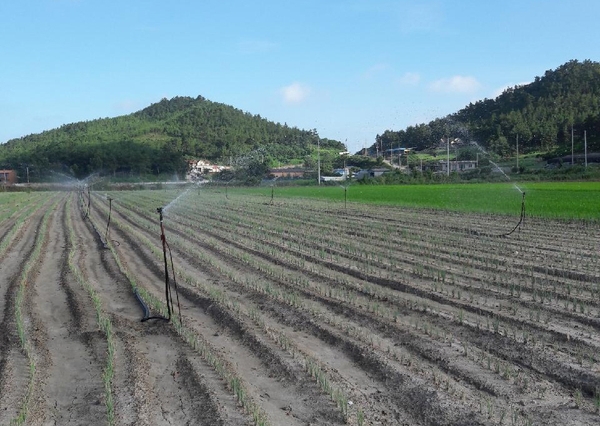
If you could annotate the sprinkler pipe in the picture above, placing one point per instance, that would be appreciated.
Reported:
(164, 247)
(108, 221)
(168, 293)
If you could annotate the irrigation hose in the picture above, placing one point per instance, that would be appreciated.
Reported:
(520, 219)
(147, 310)
(168, 292)
(518, 226)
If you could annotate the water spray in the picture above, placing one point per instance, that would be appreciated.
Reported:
(168, 292)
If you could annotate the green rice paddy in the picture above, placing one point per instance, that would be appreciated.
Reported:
(565, 200)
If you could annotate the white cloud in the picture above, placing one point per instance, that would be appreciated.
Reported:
(409, 79)
(455, 84)
(295, 93)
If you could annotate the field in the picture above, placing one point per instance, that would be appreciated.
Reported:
(297, 311)
(565, 200)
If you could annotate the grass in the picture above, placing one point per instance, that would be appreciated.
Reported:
(565, 200)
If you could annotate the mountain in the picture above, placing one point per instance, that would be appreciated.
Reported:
(540, 113)
(159, 138)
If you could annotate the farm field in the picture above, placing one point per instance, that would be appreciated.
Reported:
(565, 200)
(294, 311)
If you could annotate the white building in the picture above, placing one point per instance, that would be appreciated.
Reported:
(199, 168)
(457, 166)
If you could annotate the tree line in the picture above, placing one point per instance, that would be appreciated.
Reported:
(159, 139)
(542, 114)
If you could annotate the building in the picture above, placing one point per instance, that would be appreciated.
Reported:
(371, 173)
(8, 177)
(289, 172)
(396, 151)
(457, 166)
(339, 175)
(197, 169)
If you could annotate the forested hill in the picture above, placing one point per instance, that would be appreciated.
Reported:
(158, 139)
(541, 113)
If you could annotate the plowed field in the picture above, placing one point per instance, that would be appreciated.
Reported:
(294, 312)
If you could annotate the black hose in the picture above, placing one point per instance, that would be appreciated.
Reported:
(518, 226)
(520, 219)
(146, 309)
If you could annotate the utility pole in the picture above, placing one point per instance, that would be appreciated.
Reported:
(448, 155)
(517, 153)
(572, 147)
(456, 158)
(28, 175)
(319, 160)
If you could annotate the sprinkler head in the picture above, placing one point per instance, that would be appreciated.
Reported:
(159, 210)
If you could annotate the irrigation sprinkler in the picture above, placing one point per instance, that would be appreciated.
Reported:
(108, 221)
(168, 292)
(345, 196)
(273, 190)
(89, 199)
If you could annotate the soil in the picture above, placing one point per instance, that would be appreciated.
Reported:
(369, 315)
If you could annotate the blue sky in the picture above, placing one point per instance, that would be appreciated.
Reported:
(350, 69)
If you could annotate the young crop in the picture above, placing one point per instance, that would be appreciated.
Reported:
(102, 319)
(19, 316)
(389, 269)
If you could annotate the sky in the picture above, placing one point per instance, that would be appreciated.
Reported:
(349, 69)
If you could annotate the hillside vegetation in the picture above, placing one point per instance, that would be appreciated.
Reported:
(159, 138)
(540, 113)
